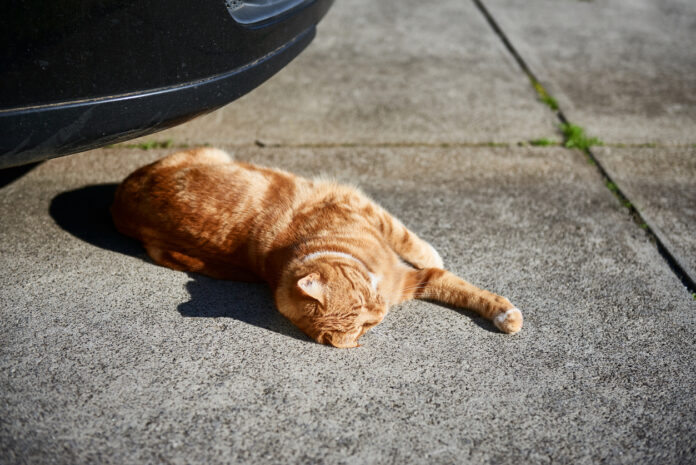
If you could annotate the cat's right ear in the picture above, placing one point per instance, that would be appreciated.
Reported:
(312, 286)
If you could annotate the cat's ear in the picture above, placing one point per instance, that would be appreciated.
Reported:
(312, 286)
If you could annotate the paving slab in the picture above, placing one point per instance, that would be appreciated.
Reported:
(661, 184)
(108, 358)
(623, 69)
(385, 72)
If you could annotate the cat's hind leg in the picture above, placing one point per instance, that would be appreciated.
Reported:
(442, 286)
(406, 243)
(182, 262)
(174, 260)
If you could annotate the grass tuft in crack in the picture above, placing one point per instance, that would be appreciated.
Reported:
(153, 144)
(147, 145)
(575, 137)
(544, 142)
(543, 95)
(550, 102)
(624, 201)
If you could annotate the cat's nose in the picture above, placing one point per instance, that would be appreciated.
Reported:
(342, 340)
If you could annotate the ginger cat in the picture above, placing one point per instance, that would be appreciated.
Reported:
(333, 258)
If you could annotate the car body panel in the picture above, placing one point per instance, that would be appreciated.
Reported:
(97, 71)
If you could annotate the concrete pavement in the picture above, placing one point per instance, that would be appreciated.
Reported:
(383, 72)
(660, 182)
(622, 69)
(106, 357)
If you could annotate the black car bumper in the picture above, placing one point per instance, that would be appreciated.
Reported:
(131, 69)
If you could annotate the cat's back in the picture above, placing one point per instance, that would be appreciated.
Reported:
(203, 204)
(200, 188)
(203, 190)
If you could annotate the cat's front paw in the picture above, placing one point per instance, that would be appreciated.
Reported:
(509, 321)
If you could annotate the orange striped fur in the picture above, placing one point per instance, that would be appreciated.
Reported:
(334, 259)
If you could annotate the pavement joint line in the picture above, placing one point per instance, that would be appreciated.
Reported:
(169, 143)
(613, 187)
(639, 220)
(647, 145)
(328, 145)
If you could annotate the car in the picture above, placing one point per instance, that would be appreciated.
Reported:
(87, 73)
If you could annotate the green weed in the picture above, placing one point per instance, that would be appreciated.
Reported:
(543, 95)
(575, 137)
(624, 201)
(154, 144)
(544, 142)
(550, 102)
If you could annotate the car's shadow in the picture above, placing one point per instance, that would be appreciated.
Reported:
(84, 213)
(10, 175)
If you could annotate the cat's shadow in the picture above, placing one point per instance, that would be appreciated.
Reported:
(475, 318)
(251, 303)
(84, 213)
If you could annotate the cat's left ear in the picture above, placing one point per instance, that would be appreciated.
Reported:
(312, 286)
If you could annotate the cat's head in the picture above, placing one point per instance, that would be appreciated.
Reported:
(334, 301)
